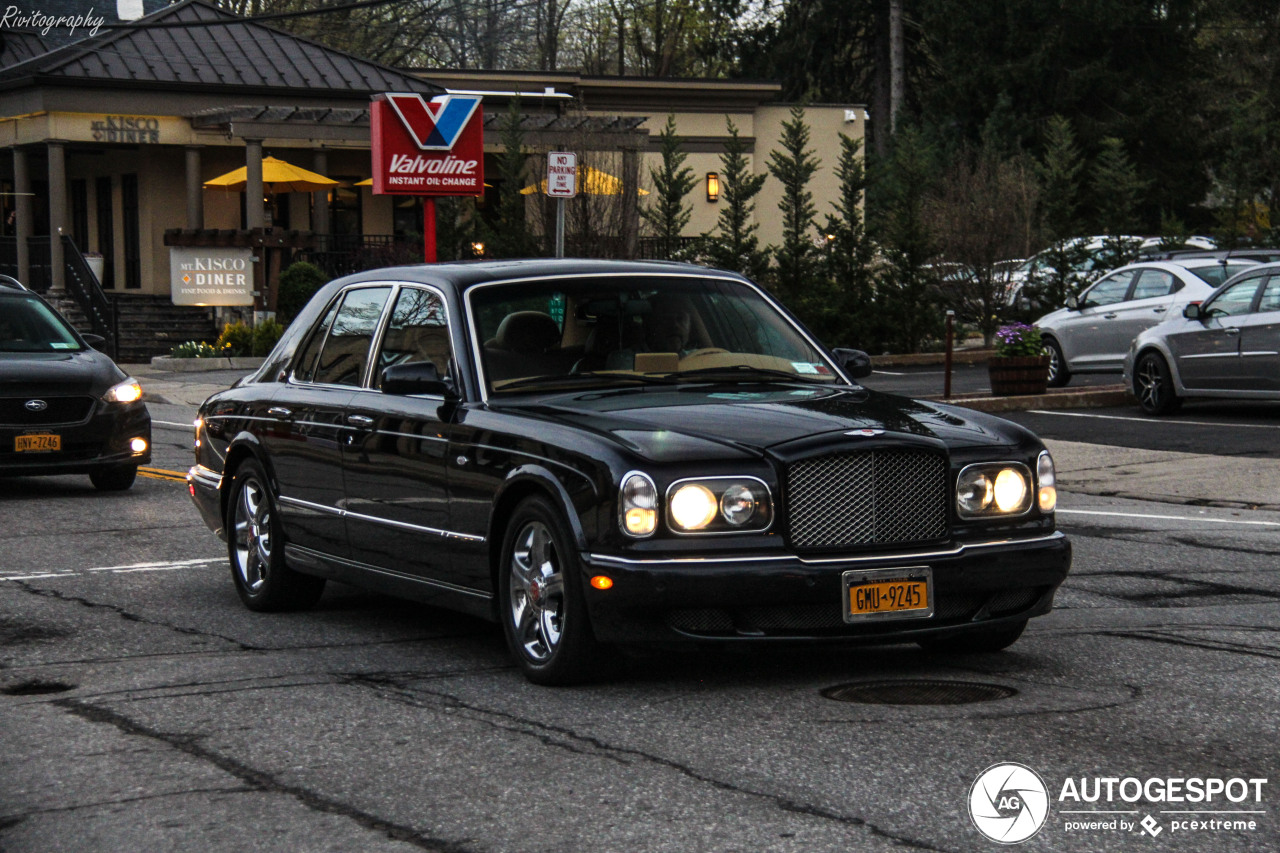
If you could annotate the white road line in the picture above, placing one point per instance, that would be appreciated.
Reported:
(1151, 421)
(177, 564)
(888, 373)
(168, 566)
(1167, 517)
(189, 426)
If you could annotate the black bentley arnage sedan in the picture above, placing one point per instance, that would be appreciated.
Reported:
(599, 452)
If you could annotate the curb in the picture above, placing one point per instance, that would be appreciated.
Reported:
(960, 356)
(1094, 398)
(204, 365)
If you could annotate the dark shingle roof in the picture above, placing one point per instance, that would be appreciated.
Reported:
(217, 50)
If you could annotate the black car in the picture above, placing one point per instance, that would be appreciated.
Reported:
(64, 407)
(597, 452)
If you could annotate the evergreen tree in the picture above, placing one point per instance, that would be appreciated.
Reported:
(1116, 190)
(736, 246)
(507, 235)
(794, 166)
(847, 318)
(667, 215)
(1052, 276)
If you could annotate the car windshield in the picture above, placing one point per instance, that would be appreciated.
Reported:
(625, 331)
(1216, 274)
(28, 325)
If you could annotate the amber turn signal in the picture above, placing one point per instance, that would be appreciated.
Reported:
(602, 582)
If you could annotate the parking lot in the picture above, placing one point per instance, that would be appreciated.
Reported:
(144, 708)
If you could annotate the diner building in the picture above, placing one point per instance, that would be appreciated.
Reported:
(108, 143)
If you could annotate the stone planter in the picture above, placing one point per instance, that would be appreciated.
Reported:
(1021, 374)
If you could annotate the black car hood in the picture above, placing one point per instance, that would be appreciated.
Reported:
(672, 423)
(57, 373)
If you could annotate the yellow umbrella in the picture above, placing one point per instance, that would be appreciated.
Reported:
(277, 177)
(591, 181)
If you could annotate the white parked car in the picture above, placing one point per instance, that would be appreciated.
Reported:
(1092, 334)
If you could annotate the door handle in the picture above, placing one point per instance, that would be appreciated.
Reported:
(279, 412)
(359, 421)
(1108, 316)
(1158, 310)
(1232, 331)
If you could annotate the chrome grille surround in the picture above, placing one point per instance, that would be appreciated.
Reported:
(867, 498)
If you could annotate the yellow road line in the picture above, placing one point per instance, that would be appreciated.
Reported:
(162, 474)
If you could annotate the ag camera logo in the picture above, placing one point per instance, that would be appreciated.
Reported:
(1008, 803)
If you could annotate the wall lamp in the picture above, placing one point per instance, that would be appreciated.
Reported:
(713, 187)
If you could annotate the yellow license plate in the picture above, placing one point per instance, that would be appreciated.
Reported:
(888, 593)
(42, 443)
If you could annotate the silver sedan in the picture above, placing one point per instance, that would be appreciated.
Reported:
(1226, 346)
(1092, 334)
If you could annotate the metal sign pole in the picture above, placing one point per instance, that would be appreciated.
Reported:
(559, 227)
(428, 229)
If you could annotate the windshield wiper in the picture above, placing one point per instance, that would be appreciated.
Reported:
(592, 376)
(743, 373)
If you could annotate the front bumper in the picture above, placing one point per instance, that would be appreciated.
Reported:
(101, 441)
(789, 598)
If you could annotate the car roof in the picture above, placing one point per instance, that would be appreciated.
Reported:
(10, 283)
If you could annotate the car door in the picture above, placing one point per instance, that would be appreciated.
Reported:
(1147, 304)
(1089, 335)
(397, 458)
(1260, 341)
(308, 430)
(1207, 351)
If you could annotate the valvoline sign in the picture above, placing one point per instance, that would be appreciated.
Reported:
(423, 147)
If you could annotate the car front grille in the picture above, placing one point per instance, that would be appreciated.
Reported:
(58, 410)
(873, 497)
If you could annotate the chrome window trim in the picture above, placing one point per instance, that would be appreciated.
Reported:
(375, 342)
(473, 332)
(609, 559)
(401, 525)
(739, 531)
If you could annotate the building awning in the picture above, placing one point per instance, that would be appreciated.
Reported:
(278, 176)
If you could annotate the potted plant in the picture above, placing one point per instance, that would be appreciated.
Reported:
(1020, 365)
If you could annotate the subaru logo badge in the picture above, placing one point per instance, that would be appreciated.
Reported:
(35, 405)
(864, 433)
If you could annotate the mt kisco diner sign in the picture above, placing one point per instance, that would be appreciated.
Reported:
(427, 148)
(130, 129)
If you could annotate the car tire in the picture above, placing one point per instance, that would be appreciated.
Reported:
(255, 547)
(542, 599)
(1153, 385)
(977, 640)
(1059, 374)
(117, 478)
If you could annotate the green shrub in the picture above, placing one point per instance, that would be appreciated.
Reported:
(236, 340)
(298, 283)
(194, 349)
(265, 335)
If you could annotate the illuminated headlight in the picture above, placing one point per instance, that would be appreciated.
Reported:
(128, 391)
(993, 490)
(719, 505)
(1045, 476)
(138, 445)
(638, 505)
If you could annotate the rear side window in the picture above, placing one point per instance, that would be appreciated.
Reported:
(345, 352)
(1218, 273)
(1153, 283)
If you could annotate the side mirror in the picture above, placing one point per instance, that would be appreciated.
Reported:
(1193, 311)
(95, 341)
(1073, 302)
(415, 377)
(855, 362)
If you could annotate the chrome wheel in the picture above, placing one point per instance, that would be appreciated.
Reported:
(537, 602)
(252, 535)
(1153, 386)
(1059, 375)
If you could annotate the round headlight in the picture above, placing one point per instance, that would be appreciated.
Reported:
(973, 492)
(693, 507)
(1010, 490)
(639, 505)
(737, 504)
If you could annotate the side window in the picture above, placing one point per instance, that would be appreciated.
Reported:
(346, 350)
(418, 331)
(304, 364)
(1153, 283)
(1235, 300)
(1110, 290)
(1271, 296)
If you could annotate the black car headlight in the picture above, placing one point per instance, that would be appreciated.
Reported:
(719, 505)
(994, 490)
(128, 391)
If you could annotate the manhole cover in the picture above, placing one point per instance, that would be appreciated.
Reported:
(918, 691)
(36, 688)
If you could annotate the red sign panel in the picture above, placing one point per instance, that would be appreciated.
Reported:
(425, 147)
